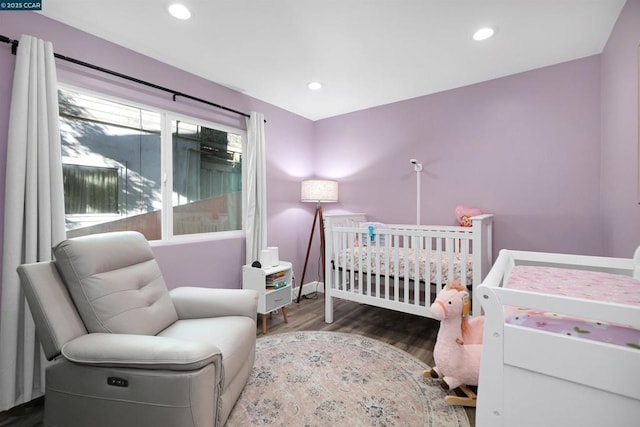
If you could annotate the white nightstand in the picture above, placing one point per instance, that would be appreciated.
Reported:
(270, 298)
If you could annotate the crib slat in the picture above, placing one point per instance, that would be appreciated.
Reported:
(361, 264)
(406, 270)
(449, 248)
(429, 244)
(352, 277)
(416, 269)
(348, 253)
(339, 248)
(350, 282)
(376, 284)
(366, 260)
(438, 260)
(464, 253)
(387, 254)
(396, 269)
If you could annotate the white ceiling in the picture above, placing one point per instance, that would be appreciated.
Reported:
(365, 52)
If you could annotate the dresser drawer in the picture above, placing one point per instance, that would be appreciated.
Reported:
(278, 298)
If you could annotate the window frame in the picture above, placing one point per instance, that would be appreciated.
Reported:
(166, 162)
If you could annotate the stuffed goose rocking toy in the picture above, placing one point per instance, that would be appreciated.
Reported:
(458, 345)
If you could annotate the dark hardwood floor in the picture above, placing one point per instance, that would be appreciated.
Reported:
(413, 334)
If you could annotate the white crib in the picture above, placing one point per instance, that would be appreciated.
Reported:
(533, 377)
(402, 267)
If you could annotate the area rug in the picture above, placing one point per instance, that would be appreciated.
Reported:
(313, 378)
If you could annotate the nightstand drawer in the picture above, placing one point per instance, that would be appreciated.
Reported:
(278, 298)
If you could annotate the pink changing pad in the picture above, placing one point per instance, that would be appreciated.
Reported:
(592, 285)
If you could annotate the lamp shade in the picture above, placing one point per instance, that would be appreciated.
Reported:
(319, 190)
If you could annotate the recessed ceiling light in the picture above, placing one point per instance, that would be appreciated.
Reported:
(483, 33)
(179, 11)
(314, 85)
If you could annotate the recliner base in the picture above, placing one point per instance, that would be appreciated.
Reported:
(80, 395)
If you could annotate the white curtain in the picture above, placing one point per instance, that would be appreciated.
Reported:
(256, 189)
(33, 215)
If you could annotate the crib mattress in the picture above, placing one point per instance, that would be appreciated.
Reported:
(591, 285)
(375, 259)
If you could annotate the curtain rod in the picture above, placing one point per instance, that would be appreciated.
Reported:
(175, 93)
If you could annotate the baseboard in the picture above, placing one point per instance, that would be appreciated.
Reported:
(309, 288)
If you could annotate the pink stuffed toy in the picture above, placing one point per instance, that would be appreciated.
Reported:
(464, 214)
(459, 342)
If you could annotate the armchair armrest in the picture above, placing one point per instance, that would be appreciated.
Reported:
(197, 303)
(140, 351)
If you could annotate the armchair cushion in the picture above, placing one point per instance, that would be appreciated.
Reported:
(235, 336)
(140, 351)
(115, 283)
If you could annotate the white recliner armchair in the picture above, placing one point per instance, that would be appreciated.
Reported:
(126, 351)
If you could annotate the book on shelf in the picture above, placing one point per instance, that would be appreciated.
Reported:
(276, 277)
(276, 285)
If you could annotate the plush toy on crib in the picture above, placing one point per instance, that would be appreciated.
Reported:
(458, 344)
(464, 214)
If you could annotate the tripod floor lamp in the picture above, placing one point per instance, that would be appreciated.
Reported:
(317, 191)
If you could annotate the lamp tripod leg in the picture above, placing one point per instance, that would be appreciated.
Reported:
(306, 260)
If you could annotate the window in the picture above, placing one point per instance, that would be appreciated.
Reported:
(91, 189)
(113, 168)
(207, 179)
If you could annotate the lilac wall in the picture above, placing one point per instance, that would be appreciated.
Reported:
(524, 147)
(619, 192)
(216, 263)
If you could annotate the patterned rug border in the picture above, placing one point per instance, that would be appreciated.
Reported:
(259, 407)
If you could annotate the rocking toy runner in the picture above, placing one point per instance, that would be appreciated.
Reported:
(458, 345)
